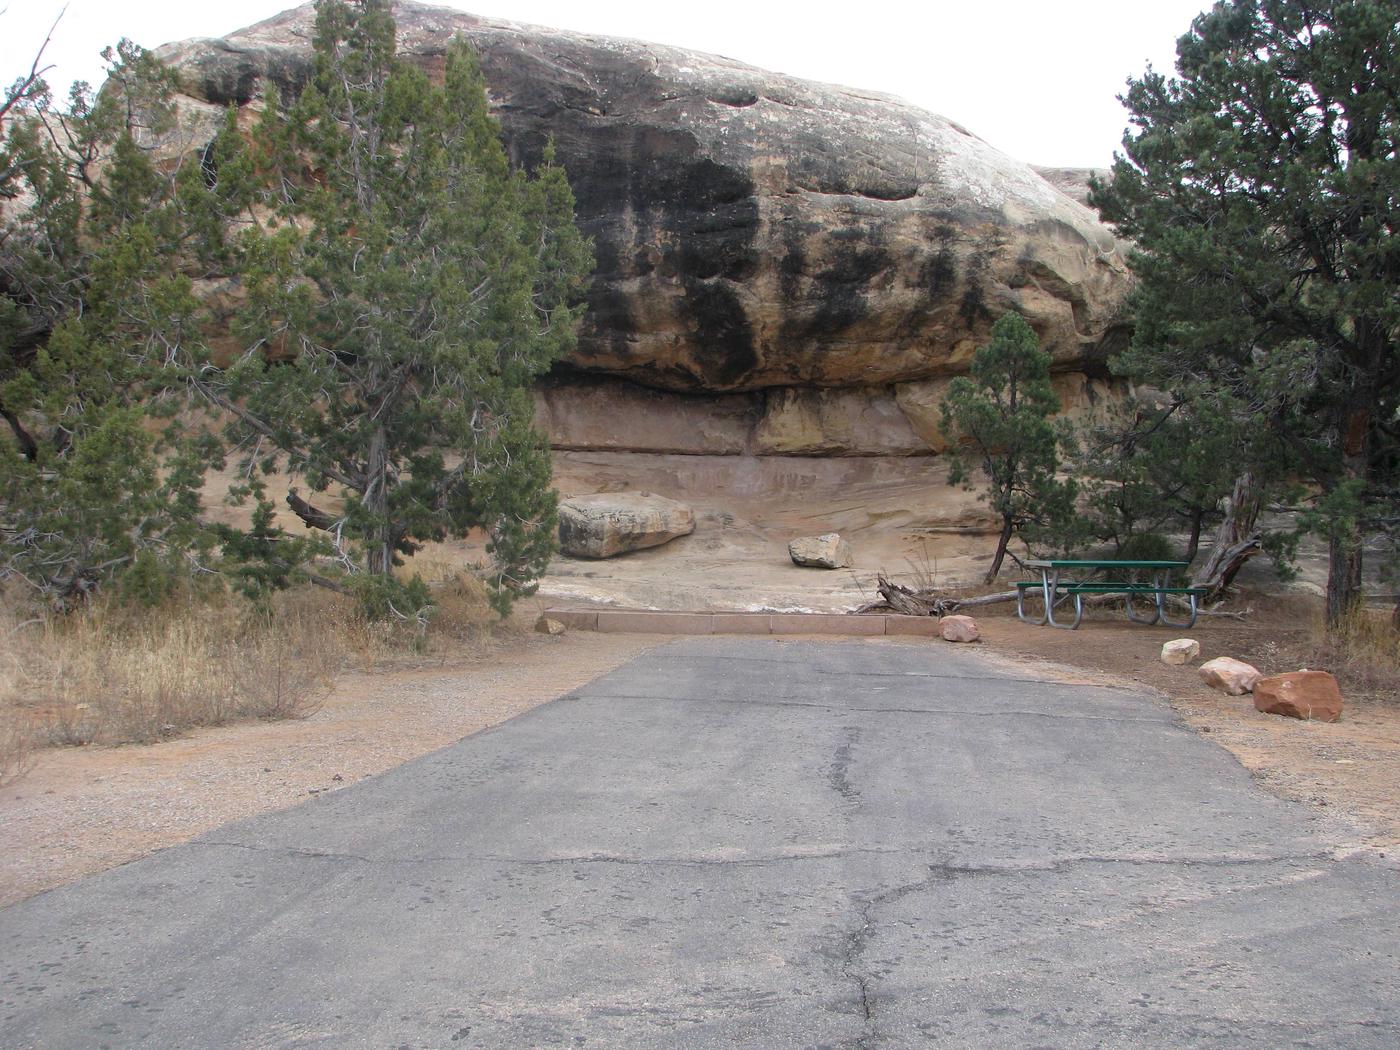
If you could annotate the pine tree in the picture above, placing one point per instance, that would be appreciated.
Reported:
(1262, 188)
(401, 301)
(1001, 414)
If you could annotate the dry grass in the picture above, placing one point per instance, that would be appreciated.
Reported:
(16, 746)
(461, 624)
(114, 675)
(1363, 652)
(111, 674)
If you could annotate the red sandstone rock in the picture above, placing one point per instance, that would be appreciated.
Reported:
(959, 629)
(1300, 694)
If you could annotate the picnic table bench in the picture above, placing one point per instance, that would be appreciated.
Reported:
(1065, 579)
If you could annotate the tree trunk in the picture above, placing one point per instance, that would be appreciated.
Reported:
(1193, 547)
(1343, 577)
(313, 516)
(1002, 541)
(27, 445)
(379, 539)
(1344, 548)
(1236, 540)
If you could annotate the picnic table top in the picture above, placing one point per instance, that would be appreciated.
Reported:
(1102, 563)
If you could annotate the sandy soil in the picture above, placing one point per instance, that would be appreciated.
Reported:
(83, 810)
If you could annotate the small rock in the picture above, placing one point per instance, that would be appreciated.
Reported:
(829, 551)
(608, 524)
(1230, 675)
(1180, 651)
(1300, 694)
(959, 629)
(544, 625)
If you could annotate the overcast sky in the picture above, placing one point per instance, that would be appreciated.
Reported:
(1037, 80)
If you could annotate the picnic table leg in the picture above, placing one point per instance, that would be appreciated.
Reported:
(1156, 617)
(1052, 585)
(1021, 605)
(1162, 611)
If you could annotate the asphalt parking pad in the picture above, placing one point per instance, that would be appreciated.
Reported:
(747, 842)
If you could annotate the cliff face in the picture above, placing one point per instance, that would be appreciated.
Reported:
(755, 232)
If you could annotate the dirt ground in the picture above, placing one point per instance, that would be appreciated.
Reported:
(82, 810)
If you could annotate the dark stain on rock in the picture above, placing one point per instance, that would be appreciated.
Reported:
(838, 292)
(723, 335)
(939, 273)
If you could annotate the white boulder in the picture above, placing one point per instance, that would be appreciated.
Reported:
(1180, 651)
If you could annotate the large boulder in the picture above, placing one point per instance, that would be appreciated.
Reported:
(613, 523)
(752, 230)
(1300, 694)
(828, 551)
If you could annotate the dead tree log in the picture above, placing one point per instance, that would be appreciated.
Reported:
(902, 600)
(898, 599)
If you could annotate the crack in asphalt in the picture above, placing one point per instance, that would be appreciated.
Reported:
(852, 948)
(942, 871)
(848, 709)
(838, 774)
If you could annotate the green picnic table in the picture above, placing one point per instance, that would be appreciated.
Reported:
(1066, 579)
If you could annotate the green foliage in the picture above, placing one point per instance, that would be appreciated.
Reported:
(383, 598)
(102, 510)
(1001, 413)
(1150, 466)
(264, 559)
(98, 324)
(1148, 546)
(409, 291)
(1262, 188)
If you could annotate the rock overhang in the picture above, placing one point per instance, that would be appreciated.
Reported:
(752, 230)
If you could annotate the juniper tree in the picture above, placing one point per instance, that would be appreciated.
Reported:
(96, 307)
(401, 300)
(1153, 466)
(1261, 186)
(1001, 416)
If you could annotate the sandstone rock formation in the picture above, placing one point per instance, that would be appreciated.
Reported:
(1229, 675)
(1180, 651)
(828, 551)
(752, 230)
(959, 629)
(1300, 694)
(608, 524)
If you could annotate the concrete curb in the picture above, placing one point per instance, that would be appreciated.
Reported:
(624, 621)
